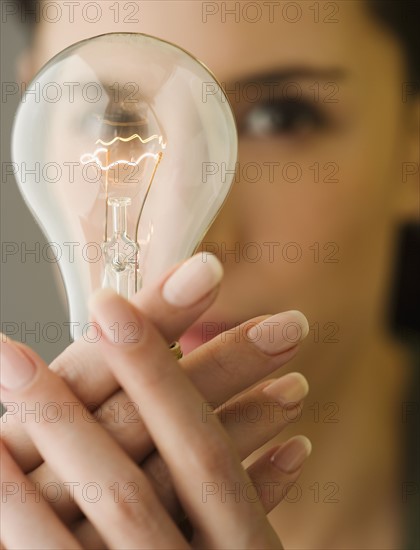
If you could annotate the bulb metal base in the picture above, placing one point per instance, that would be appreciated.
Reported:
(175, 347)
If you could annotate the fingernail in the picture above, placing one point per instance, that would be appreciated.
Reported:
(279, 332)
(193, 280)
(17, 370)
(292, 454)
(288, 390)
(117, 321)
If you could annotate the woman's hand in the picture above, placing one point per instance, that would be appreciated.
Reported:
(210, 354)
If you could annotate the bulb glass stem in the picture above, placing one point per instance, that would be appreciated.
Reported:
(120, 252)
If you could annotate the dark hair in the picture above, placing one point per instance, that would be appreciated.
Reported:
(402, 18)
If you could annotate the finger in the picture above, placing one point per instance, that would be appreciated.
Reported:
(170, 316)
(274, 404)
(27, 520)
(275, 473)
(80, 451)
(240, 357)
(250, 420)
(120, 417)
(260, 414)
(226, 365)
(82, 366)
(88, 535)
(234, 360)
(171, 406)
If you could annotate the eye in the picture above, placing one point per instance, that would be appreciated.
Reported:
(282, 117)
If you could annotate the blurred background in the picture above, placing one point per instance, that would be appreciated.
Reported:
(32, 298)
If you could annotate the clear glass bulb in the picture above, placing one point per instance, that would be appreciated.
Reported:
(127, 148)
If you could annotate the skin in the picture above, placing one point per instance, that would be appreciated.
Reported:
(75, 448)
(368, 133)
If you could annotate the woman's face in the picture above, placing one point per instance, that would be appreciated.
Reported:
(324, 138)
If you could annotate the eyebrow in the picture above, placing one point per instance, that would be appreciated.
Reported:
(292, 73)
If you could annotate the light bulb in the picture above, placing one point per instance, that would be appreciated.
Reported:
(126, 147)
